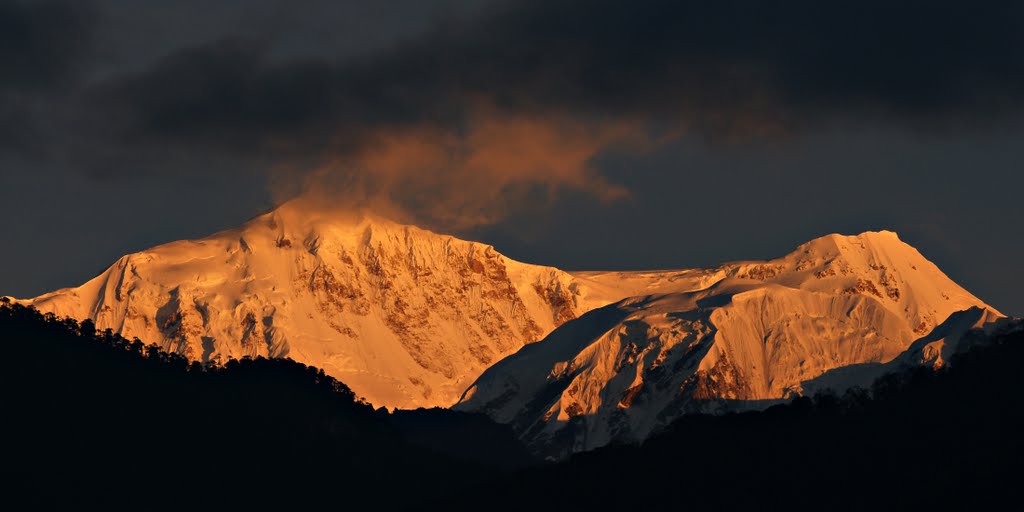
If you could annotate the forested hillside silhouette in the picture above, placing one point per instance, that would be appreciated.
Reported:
(951, 439)
(92, 419)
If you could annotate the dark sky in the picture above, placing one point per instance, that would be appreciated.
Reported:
(597, 134)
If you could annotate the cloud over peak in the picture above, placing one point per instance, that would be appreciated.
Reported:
(513, 103)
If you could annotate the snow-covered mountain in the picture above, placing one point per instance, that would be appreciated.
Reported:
(409, 318)
(405, 317)
(839, 310)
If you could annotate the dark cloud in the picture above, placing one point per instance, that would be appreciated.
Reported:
(715, 68)
(41, 48)
(707, 130)
(42, 42)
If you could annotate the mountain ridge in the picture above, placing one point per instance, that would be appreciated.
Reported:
(755, 335)
(411, 318)
(405, 316)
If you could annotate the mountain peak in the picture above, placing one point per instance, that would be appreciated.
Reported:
(880, 241)
(404, 316)
(410, 318)
(739, 336)
(299, 216)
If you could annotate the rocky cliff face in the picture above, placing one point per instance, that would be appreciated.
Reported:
(409, 318)
(747, 335)
(404, 316)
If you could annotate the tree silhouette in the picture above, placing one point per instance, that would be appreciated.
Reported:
(92, 419)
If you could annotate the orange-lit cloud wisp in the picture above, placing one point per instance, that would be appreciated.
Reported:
(456, 180)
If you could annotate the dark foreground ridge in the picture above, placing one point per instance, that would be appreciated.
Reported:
(93, 419)
(948, 439)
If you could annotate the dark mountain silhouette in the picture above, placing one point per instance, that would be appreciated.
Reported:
(944, 439)
(91, 419)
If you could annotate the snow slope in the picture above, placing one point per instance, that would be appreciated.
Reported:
(739, 336)
(410, 318)
(406, 317)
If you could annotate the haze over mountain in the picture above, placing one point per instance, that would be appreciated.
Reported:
(410, 318)
(814, 117)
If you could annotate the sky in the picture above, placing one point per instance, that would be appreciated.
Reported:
(585, 135)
